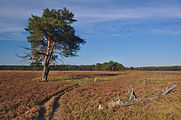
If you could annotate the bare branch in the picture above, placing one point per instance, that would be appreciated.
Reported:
(168, 90)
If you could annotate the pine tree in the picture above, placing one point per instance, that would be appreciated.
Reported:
(52, 35)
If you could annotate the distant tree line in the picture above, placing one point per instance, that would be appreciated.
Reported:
(162, 68)
(106, 66)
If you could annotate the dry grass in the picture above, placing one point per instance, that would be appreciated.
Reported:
(83, 102)
(21, 95)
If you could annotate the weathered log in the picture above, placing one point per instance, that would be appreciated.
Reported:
(168, 90)
(133, 98)
(152, 98)
(123, 102)
(127, 101)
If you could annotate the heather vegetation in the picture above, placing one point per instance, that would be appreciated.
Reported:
(84, 102)
(21, 97)
(76, 95)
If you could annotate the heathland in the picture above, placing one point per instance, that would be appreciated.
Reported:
(75, 95)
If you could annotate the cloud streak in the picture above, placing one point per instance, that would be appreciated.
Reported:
(128, 14)
(14, 16)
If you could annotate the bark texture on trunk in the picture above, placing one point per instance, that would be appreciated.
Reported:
(45, 66)
(45, 73)
(47, 61)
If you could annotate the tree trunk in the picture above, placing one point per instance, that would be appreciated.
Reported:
(46, 69)
(47, 61)
(46, 66)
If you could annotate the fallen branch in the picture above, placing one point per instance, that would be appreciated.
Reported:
(152, 98)
(123, 102)
(168, 90)
(133, 98)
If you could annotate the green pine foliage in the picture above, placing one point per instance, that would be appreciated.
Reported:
(56, 26)
(51, 35)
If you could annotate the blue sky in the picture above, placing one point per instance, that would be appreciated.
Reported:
(132, 32)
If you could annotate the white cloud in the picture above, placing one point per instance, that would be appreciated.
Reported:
(128, 13)
(14, 16)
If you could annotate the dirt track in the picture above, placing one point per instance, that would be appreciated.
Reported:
(21, 97)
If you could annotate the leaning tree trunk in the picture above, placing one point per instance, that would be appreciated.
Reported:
(46, 66)
(46, 69)
(47, 61)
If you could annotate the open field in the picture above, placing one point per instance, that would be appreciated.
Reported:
(22, 96)
(83, 102)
